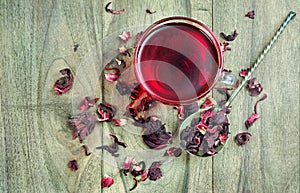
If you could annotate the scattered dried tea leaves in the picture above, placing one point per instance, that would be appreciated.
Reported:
(125, 36)
(65, 83)
(254, 116)
(108, 10)
(250, 14)
(150, 12)
(229, 37)
(107, 181)
(83, 124)
(106, 112)
(73, 165)
(243, 138)
(88, 102)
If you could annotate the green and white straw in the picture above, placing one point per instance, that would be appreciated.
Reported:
(261, 56)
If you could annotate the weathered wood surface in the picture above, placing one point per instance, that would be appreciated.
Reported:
(36, 41)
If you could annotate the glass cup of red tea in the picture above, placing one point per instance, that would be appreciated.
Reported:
(178, 60)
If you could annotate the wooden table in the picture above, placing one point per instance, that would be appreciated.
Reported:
(37, 39)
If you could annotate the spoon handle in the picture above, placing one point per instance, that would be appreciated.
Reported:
(261, 56)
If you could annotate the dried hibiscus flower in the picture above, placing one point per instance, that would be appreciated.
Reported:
(154, 171)
(249, 122)
(108, 10)
(250, 14)
(88, 102)
(243, 138)
(106, 112)
(229, 37)
(65, 83)
(83, 124)
(125, 36)
(155, 135)
(150, 12)
(73, 165)
(253, 88)
(106, 181)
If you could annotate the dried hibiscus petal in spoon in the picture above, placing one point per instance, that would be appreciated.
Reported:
(185, 110)
(65, 83)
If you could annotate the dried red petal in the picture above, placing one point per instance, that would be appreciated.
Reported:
(73, 165)
(229, 37)
(173, 152)
(249, 122)
(250, 14)
(88, 102)
(209, 102)
(225, 46)
(243, 138)
(65, 83)
(253, 88)
(144, 176)
(125, 36)
(119, 122)
(128, 162)
(106, 112)
(150, 12)
(107, 181)
(185, 110)
(108, 10)
(223, 138)
(243, 73)
(112, 77)
(83, 124)
(259, 100)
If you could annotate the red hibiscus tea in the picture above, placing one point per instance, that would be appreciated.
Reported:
(178, 60)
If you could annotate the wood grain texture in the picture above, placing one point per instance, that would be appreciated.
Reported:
(36, 41)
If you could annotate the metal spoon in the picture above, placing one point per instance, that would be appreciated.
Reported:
(187, 122)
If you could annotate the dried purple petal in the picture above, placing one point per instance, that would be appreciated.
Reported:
(150, 12)
(106, 181)
(243, 73)
(155, 135)
(125, 36)
(154, 171)
(128, 162)
(65, 83)
(135, 184)
(254, 116)
(225, 46)
(108, 10)
(259, 100)
(229, 37)
(88, 102)
(106, 112)
(243, 138)
(83, 124)
(112, 149)
(253, 88)
(116, 140)
(250, 14)
(86, 150)
(73, 165)
(173, 152)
